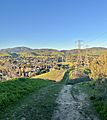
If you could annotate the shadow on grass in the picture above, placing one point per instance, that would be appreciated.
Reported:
(78, 80)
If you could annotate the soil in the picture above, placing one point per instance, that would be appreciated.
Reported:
(73, 104)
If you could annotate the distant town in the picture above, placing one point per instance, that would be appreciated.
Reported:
(25, 62)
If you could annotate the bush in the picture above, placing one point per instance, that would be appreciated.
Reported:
(87, 71)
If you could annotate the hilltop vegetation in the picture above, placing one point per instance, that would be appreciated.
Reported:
(98, 96)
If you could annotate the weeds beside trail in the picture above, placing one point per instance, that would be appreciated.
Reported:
(97, 96)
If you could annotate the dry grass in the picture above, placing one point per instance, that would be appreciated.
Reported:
(56, 75)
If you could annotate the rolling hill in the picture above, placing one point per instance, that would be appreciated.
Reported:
(48, 52)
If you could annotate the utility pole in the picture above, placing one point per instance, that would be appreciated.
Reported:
(79, 56)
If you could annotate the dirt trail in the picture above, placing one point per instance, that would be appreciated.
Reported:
(73, 105)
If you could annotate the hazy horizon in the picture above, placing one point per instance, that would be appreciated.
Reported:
(49, 48)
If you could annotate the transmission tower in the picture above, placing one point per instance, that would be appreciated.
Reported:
(79, 56)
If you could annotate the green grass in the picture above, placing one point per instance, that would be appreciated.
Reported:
(70, 75)
(55, 75)
(36, 106)
(30, 99)
(4, 54)
(97, 97)
(11, 91)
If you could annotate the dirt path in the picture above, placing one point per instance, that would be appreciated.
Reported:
(73, 105)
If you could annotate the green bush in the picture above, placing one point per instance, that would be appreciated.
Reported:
(101, 107)
(87, 71)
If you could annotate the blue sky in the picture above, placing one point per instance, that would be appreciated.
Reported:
(53, 23)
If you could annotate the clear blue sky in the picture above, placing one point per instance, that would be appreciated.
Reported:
(52, 23)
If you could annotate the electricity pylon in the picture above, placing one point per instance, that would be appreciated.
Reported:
(79, 56)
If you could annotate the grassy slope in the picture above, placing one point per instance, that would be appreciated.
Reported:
(97, 97)
(4, 54)
(36, 101)
(11, 91)
(55, 75)
(70, 75)
(36, 106)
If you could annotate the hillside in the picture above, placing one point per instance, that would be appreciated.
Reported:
(28, 99)
(90, 51)
(48, 52)
(55, 75)
(32, 52)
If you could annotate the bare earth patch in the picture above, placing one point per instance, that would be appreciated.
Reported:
(73, 105)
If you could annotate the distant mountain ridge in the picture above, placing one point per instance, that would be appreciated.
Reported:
(16, 50)
(93, 50)
(89, 50)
